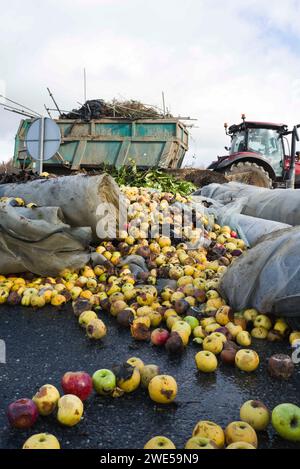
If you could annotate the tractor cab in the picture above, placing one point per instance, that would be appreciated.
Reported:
(262, 140)
(260, 154)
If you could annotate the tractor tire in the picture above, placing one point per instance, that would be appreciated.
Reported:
(249, 173)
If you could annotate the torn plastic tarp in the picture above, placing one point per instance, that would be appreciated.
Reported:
(267, 277)
(270, 204)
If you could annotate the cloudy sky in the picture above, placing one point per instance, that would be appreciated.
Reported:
(214, 59)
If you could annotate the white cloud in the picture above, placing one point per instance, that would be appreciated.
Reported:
(214, 60)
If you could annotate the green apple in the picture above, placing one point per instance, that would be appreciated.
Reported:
(286, 421)
(192, 321)
(104, 382)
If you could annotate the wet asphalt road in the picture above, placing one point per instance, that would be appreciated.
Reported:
(42, 345)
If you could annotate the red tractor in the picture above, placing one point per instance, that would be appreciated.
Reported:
(261, 154)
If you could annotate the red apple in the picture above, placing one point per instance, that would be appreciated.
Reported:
(78, 383)
(224, 331)
(228, 356)
(22, 413)
(159, 336)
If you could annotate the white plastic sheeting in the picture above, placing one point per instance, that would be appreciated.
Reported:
(267, 277)
(281, 205)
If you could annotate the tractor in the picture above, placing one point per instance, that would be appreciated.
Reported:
(261, 154)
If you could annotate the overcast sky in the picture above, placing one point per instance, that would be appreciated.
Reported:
(214, 59)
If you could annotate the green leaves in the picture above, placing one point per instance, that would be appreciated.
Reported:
(153, 178)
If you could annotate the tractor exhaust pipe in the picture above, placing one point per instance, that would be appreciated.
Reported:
(295, 138)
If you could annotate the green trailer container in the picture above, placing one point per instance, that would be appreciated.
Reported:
(111, 141)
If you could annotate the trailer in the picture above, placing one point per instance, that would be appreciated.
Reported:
(159, 142)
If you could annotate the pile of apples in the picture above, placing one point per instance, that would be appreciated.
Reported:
(78, 387)
(189, 305)
(242, 434)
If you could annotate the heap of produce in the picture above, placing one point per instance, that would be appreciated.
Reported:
(186, 305)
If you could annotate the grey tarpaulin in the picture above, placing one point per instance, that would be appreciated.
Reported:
(78, 196)
(270, 204)
(37, 240)
(267, 277)
(250, 229)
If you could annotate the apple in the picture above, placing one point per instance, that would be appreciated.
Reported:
(286, 421)
(212, 328)
(228, 356)
(160, 442)
(192, 321)
(70, 410)
(182, 326)
(213, 344)
(210, 430)
(239, 320)
(223, 330)
(240, 445)
(243, 338)
(295, 335)
(137, 362)
(219, 335)
(234, 329)
(281, 366)
(46, 399)
(207, 321)
(250, 314)
(80, 305)
(147, 373)
(125, 318)
(159, 336)
(42, 441)
(86, 317)
(78, 383)
(181, 306)
(206, 361)
(22, 413)
(240, 431)
(156, 318)
(199, 332)
(231, 345)
(174, 344)
(247, 360)
(281, 327)
(256, 414)
(198, 442)
(128, 377)
(162, 389)
(263, 321)
(104, 382)
(96, 329)
(259, 332)
(140, 328)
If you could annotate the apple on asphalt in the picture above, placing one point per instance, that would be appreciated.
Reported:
(22, 413)
(286, 421)
(104, 382)
(78, 383)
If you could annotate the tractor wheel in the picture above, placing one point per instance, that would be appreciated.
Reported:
(249, 173)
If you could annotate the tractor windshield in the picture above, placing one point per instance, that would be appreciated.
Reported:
(268, 142)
